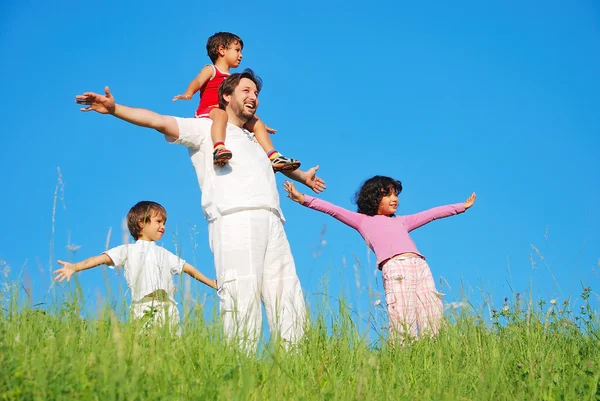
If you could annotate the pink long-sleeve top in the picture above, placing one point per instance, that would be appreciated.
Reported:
(386, 236)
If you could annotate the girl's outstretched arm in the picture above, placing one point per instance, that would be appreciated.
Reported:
(192, 271)
(347, 217)
(414, 221)
(205, 74)
(69, 269)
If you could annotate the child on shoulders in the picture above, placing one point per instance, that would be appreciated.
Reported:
(225, 52)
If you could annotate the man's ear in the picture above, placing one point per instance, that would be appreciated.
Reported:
(227, 98)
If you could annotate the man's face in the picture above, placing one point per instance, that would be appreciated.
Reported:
(244, 100)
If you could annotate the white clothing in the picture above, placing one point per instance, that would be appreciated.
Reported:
(254, 261)
(154, 311)
(148, 268)
(252, 256)
(245, 182)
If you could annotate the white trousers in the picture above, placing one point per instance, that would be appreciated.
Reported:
(254, 262)
(153, 311)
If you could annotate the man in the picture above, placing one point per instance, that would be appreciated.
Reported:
(240, 201)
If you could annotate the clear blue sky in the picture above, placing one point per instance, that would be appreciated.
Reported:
(499, 98)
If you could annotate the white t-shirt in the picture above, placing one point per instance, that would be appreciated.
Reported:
(148, 268)
(246, 182)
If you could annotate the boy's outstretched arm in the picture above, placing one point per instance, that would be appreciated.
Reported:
(105, 104)
(69, 269)
(308, 178)
(192, 271)
(205, 74)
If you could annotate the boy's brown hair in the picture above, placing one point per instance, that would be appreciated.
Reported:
(141, 213)
(221, 39)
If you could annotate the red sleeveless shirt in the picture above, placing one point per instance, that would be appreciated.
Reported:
(209, 93)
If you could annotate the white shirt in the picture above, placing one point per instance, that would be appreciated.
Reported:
(246, 182)
(148, 268)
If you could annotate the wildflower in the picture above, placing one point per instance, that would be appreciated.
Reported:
(377, 302)
(505, 308)
(73, 247)
(553, 301)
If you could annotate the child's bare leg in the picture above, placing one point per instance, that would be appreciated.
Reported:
(221, 155)
(279, 162)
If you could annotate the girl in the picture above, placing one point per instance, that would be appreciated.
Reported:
(413, 303)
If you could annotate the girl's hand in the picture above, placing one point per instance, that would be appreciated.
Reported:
(292, 192)
(182, 97)
(65, 273)
(270, 130)
(470, 200)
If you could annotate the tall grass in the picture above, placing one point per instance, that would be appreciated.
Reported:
(542, 351)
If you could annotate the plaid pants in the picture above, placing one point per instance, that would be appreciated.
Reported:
(414, 305)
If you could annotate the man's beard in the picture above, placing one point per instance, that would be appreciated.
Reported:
(242, 113)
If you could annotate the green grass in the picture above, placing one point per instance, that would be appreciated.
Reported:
(537, 352)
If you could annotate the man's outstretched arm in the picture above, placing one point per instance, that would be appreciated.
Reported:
(308, 178)
(105, 104)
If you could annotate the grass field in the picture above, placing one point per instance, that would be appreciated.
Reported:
(521, 352)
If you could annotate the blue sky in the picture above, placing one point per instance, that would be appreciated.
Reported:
(499, 98)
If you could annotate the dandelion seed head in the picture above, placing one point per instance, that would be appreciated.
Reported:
(73, 247)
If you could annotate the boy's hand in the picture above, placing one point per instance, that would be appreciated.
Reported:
(292, 192)
(270, 130)
(470, 200)
(182, 97)
(96, 102)
(65, 273)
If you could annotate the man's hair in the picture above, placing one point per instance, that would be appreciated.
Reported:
(369, 195)
(221, 39)
(140, 214)
(231, 82)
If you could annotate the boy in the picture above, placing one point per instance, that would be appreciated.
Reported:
(225, 51)
(148, 267)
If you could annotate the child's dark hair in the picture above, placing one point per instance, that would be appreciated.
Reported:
(221, 39)
(231, 82)
(142, 212)
(369, 195)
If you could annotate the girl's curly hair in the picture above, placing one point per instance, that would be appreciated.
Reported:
(369, 195)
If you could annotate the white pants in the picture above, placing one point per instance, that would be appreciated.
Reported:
(253, 261)
(154, 311)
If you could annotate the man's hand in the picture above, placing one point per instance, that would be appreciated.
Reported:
(470, 200)
(292, 192)
(65, 272)
(270, 130)
(311, 180)
(182, 97)
(96, 102)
